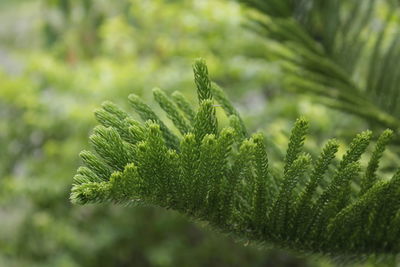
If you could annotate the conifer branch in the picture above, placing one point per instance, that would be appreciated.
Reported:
(222, 176)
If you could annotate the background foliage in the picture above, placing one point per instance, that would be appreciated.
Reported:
(60, 58)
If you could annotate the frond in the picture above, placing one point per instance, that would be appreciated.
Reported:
(222, 176)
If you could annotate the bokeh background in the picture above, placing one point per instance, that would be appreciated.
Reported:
(59, 59)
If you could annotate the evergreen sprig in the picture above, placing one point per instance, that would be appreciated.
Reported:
(222, 176)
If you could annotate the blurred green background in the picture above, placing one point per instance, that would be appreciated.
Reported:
(59, 59)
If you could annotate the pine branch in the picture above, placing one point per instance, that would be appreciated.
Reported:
(223, 176)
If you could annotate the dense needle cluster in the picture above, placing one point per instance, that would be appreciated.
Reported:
(223, 177)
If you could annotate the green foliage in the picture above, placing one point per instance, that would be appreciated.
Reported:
(344, 52)
(59, 65)
(215, 177)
